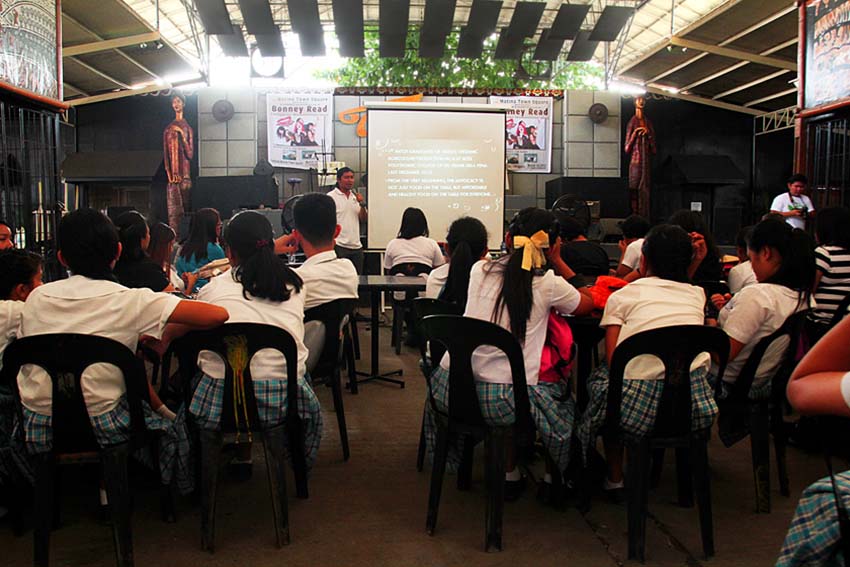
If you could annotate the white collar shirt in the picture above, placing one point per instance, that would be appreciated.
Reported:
(348, 218)
(267, 364)
(90, 307)
(327, 278)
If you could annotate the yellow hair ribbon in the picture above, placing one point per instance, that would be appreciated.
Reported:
(532, 253)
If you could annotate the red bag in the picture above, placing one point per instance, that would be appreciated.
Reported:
(603, 288)
(558, 350)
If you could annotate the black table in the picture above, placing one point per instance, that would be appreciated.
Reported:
(375, 285)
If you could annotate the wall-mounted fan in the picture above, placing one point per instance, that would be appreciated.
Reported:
(222, 110)
(287, 220)
(598, 113)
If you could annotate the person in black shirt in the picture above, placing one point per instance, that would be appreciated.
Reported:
(587, 259)
(135, 268)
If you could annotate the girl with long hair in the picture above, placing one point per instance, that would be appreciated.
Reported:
(466, 244)
(135, 268)
(200, 248)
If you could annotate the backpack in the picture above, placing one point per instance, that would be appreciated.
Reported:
(558, 350)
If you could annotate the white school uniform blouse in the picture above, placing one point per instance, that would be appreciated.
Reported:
(633, 254)
(419, 250)
(10, 320)
(347, 217)
(549, 292)
(752, 314)
(436, 281)
(651, 303)
(267, 364)
(327, 278)
(741, 276)
(90, 307)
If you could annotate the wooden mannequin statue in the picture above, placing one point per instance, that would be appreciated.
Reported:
(640, 145)
(178, 144)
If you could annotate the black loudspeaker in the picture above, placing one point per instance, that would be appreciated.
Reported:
(611, 192)
(229, 194)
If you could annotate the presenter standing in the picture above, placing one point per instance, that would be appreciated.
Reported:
(793, 205)
(350, 212)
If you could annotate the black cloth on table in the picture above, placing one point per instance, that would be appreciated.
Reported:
(141, 273)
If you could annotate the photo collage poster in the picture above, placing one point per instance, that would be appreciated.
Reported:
(528, 133)
(300, 130)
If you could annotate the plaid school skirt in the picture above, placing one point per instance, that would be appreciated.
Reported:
(639, 405)
(814, 537)
(113, 428)
(207, 400)
(553, 418)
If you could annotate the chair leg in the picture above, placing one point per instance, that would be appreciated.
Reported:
(420, 455)
(637, 479)
(355, 337)
(657, 467)
(43, 502)
(684, 477)
(339, 408)
(348, 353)
(211, 443)
(464, 473)
(273, 445)
(438, 469)
(702, 482)
(781, 462)
(114, 460)
(494, 447)
(760, 448)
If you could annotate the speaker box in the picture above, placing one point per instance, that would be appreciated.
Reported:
(232, 193)
(611, 192)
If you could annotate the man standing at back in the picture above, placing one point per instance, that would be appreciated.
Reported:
(793, 205)
(350, 211)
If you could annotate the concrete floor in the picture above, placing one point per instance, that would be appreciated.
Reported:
(371, 510)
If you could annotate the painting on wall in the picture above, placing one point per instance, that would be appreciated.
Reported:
(827, 52)
(29, 58)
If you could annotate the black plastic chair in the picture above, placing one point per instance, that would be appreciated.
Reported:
(740, 416)
(335, 317)
(65, 357)
(677, 347)
(244, 421)
(431, 354)
(460, 336)
(840, 313)
(402, 308)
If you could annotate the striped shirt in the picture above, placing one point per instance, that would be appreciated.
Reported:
(833, 263)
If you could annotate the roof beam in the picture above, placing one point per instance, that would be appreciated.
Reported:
(705, 101)
(738, 65)
(99, 73)
(77, 90)
(107, 44)
(771, 97)
(116, 94)
(733, 53)
(750, 84)
(688, 29)
(731, 39)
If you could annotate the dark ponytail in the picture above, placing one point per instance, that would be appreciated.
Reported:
(516, 294)
(88, 242)
(667, 250)
(795, 247)
(262, 274)
(132, 229)
(467, 242)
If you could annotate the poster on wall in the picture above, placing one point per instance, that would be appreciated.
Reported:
(28, 49)
(528, 133)
(827, 52)
(300, 129)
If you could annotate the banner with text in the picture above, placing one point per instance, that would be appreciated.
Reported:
(528, 133)
(300, 129)
(827, 52)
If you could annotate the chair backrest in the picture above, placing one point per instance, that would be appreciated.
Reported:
(460, 336)
(676, 346)
(65, 356)
(332, 314)
(236, 344)
(432, 353)
(410, 269)
(791, 328)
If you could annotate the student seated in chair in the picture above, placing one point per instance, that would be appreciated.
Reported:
(259, 288)
(516, 293)
(92, 302)
(663, 297)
